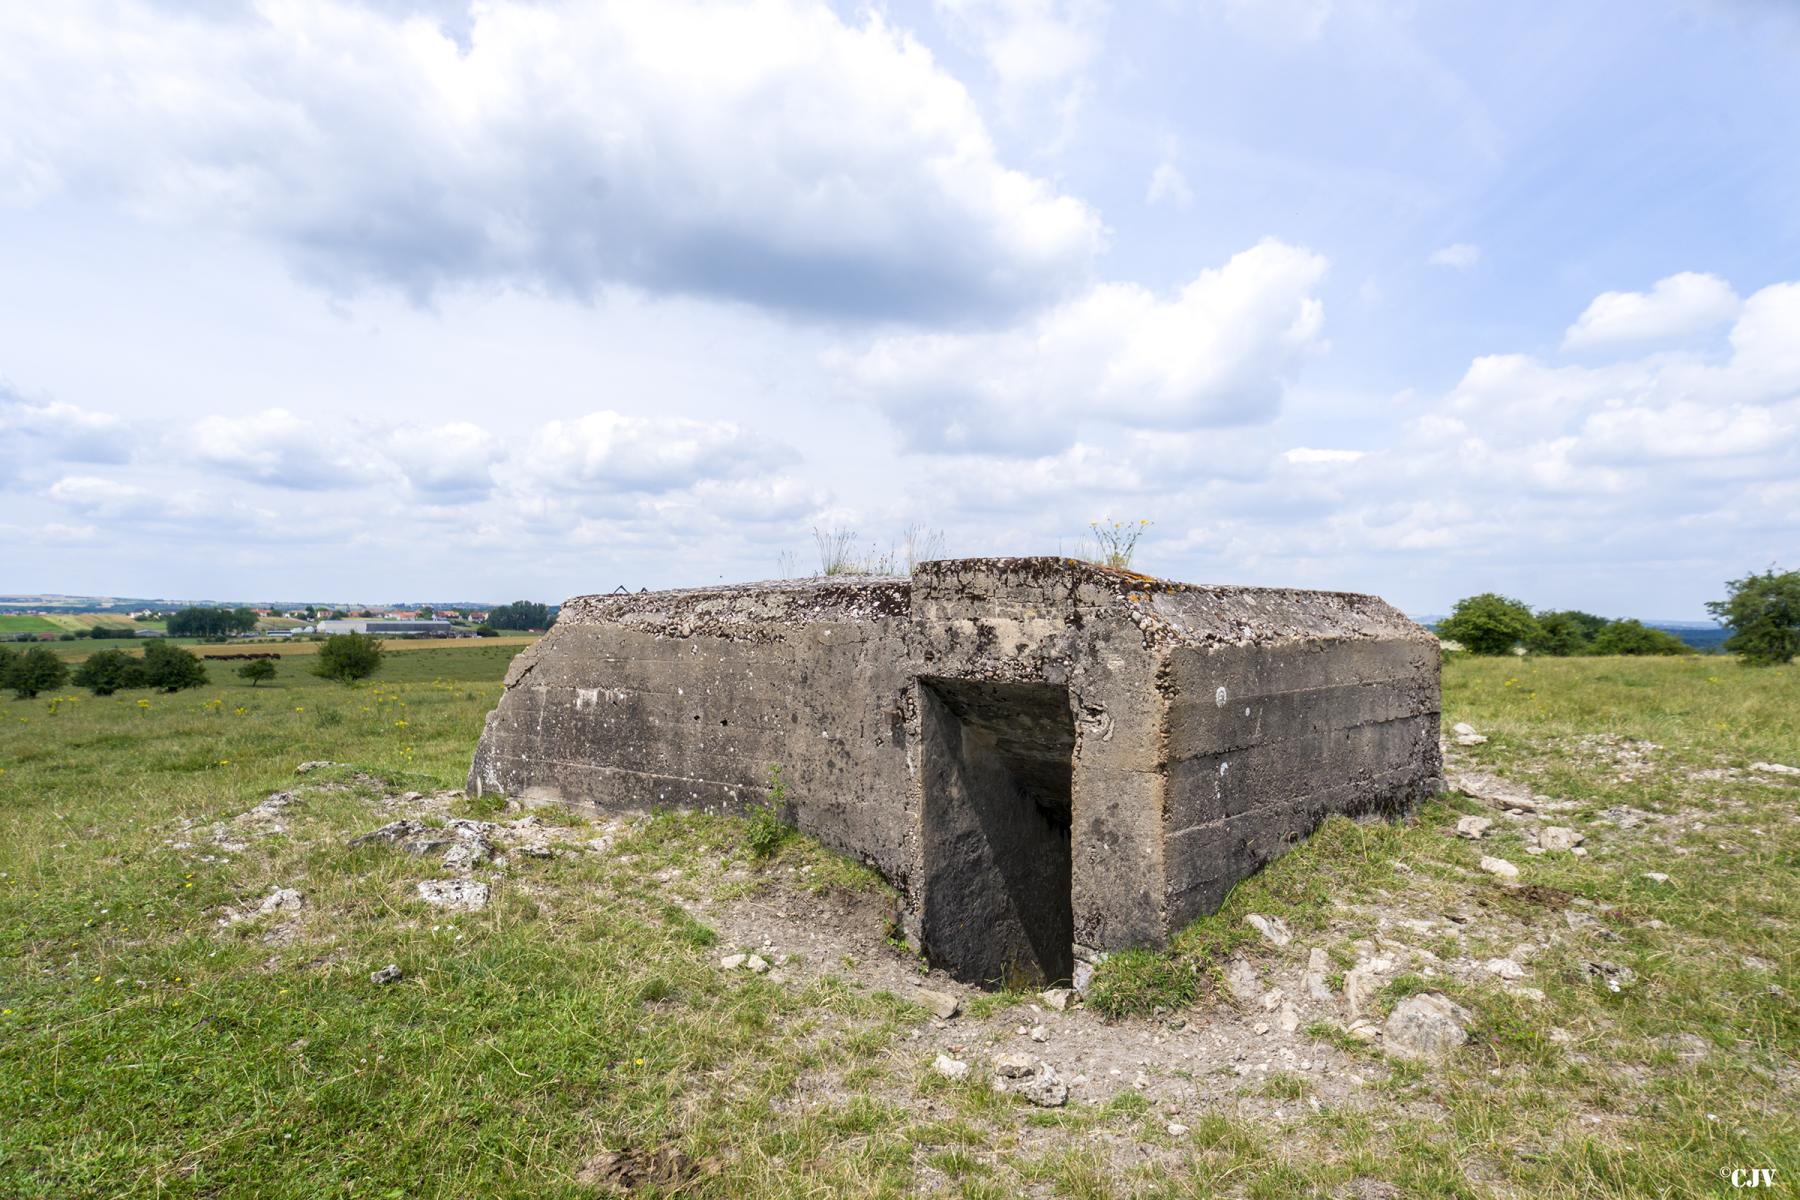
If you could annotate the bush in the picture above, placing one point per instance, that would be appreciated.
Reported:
(1565, 632)
(768, 827)
(109, 671)
(347, 657)
(486, 631)
(1763, 614)
(256, 672)
(520, 614)
(36, 670)
(170, 668)
(1635, 637)
(1489, 624)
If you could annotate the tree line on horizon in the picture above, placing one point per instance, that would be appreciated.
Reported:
(1762, 611)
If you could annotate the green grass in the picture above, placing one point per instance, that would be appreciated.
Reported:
(146, 1050)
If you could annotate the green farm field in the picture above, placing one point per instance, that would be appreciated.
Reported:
(161, 1035)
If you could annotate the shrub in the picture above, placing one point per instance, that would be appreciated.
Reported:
(768, 827)
(1763, 614)
(109, 671)
(347, 657)
(486, 631)
(257, 671)
(1565, 632)
(1635, 637)
(520, 614)
(1115, 542)
(170, 668)
(36, 670)
(1489, 624)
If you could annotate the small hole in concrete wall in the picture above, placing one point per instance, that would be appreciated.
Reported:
(998, 784)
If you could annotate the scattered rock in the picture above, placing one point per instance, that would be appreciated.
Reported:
(1656, 877)
(1500, 867)
(1360, 986)
(1058, 998)
(1428, 1025)
(388, 974)
(414, 837)
(1013, 1066)
(1316, 980)
(465, 855)
(1774, 768)
(1241, 980)
(1491, 789)
(1273, 929)
(307, 768)
(1039, 1033)
(1288, 1019)
(1505, 968)
(941, 1005)
(281, 900)
(950, 1068)
(1472, 827)
(732, 962)
(1041, 1087)
(1559, 837)
(458, 895)
(1177, 1129)
(757, 963)
(1615, 976)
(1466, 735)
(1363, 1031)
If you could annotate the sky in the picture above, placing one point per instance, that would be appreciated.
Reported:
(419, 299)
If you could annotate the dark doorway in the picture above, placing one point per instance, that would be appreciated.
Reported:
(998, 762)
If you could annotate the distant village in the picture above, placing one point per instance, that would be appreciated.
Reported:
(64, 622)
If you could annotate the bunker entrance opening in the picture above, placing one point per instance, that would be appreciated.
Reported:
(998, 763)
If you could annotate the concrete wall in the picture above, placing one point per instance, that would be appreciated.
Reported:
(1049, 760)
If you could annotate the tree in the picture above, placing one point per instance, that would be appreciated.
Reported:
(211, 622)
(169, 668)
(486, 631)
(1489, 624)
(347, 657)
(520, 614)
(109, 671)
(1763, 614)
(257, 670)
(1564, 632)
(1635, 637)
(36, 670)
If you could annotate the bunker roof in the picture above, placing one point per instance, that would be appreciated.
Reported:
(1169, 613)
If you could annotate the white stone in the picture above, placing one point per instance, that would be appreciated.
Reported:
(1472, 827)
(281, 900)
(1462, 727)
(1470, 739)
(1058, 998)
(1500, 867)
(1288, 1020)
(1360, 986)
(1656, 877)
(1039, 1033)
(732, 962)
(1427, 1026)
(1559, 837)
(1240, 978)
(942, 1005)
(1273, 929)
(459, 895)
(950, 1068)
(1505, 968)
(1316, 980)
(1176, 1129)
(757, 963)
(1774, 768)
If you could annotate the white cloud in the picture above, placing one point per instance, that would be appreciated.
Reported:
(447, 463)
(1168, 186)
(1458, 255)
(1039, 52)
(1306, 455)
(1676, 307)
(34, 436)
(612, 452)
(1218, 352)
(765, 151)
(98, 496)
(276, 447)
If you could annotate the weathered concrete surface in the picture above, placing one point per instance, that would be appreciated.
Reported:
(1049, 759)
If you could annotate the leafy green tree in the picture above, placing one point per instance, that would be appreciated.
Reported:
(211, 622)
(1763, 614)
(1635, 637)
(347, 657)
(486, 631)
(1489, 624)
(520, 614)
(257, 670)
(109, 671)
(169, 668)
(1565, 632)
(36, 670)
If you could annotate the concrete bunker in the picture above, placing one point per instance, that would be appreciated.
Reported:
(997, 804)
(1048, 759)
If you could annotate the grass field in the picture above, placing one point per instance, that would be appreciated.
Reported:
(74, 652)
(147, 1049)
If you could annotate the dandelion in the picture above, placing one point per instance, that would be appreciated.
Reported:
(401, 724)
(299, 708)
(144, 704)
(224, 762)
(239, 711)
